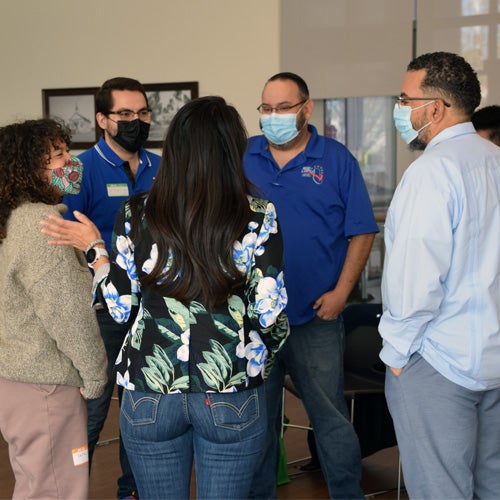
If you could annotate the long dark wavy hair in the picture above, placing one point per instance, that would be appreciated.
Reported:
(198, 205)
(24, 154)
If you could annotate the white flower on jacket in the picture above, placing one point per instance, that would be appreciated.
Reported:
(119, 306)
(125, 260)
(150, 263)
(270, 299)
(256, 353)
(243, 252)
(269, 225)
(124, 380)
(183, 351)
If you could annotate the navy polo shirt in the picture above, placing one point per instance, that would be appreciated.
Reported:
(105, 186)
(321, 201)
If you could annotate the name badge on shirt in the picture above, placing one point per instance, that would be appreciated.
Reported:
(117, 190)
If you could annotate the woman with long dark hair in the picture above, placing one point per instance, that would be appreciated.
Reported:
(197, 262)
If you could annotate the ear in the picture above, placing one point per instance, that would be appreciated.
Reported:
(101, 120)
(439, 111)
(308, 108)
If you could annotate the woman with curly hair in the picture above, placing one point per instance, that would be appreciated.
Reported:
(198, 263)
(51, 353)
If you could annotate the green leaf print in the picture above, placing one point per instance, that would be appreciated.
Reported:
(224, 329)
(178, 312)
(168, 333)
(258, 205)
(159, 370)
(136, 339)
(218, 368)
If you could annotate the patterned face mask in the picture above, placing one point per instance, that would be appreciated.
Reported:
(68, 178)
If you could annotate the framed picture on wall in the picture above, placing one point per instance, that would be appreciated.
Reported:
(165, 99)
(76, 107)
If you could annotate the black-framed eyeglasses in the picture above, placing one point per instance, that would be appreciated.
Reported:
(265, 109)
(128, 114)
(403, 100)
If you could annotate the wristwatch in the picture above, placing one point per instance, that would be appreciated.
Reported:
(93, 255)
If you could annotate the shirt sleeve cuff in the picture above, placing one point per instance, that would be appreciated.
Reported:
(99, 275)
(393, 358)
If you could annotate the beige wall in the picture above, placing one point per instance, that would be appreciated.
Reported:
(347, 48)
(343, 48)
(229, 46)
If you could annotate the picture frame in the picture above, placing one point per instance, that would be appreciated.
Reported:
(76, 107)
(164, 100)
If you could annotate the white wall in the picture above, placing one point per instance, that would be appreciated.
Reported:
(230, 47)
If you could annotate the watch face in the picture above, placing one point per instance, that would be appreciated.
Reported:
(90, 255)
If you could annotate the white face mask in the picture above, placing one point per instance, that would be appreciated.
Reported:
(402, 122)
(279, 128)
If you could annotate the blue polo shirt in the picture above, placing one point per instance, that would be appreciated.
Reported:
(321, 201)
(105, 186)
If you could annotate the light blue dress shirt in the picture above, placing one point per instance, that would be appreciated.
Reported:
(441, 280)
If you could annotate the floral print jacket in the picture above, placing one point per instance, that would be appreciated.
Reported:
(172, 347)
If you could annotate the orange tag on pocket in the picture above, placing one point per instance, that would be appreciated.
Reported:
(80, 455)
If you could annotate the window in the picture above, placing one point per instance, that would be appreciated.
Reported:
(365, 126)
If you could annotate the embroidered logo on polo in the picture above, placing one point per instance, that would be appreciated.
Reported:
(315, 173)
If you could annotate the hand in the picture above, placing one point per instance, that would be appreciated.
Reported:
(329, 305)
(396, 371)
(82, 391)
(71, 233)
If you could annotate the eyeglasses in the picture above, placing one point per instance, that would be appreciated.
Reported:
(128, 114)
(403, 101)
(265, 109)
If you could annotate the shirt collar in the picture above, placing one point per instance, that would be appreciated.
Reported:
(109, 156)
(450, 132)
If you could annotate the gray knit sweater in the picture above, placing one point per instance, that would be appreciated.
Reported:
(48, 330)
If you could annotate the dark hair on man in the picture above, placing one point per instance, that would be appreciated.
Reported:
(24, 155)
(285, 75)
(103, 97)
(451, 77)
(198, 205)
(488, 119)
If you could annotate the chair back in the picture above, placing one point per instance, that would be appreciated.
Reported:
(362, 341)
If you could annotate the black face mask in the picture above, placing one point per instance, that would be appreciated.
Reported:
(131, 135)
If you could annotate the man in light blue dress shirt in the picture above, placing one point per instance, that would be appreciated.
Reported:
(441, 288)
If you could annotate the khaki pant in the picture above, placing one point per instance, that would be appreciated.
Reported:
(45, 427)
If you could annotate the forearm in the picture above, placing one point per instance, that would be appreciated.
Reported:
(358, 252)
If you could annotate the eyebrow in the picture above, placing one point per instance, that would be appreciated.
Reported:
(279, 104)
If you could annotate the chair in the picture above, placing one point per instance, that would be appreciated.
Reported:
(364, 373)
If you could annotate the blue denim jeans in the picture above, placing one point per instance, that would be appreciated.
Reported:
(222, 432)
(112, 335)
(313, 356)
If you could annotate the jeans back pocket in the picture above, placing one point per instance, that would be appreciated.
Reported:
(140, 408)
(235, 410)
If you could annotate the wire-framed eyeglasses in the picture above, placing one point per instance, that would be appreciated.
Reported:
(265, 109)
(405, 100)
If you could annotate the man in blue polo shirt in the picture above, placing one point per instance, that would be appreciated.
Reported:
(328, 229)
(114, 169)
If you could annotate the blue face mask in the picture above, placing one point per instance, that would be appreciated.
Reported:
(402, 122)
(279, 129)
